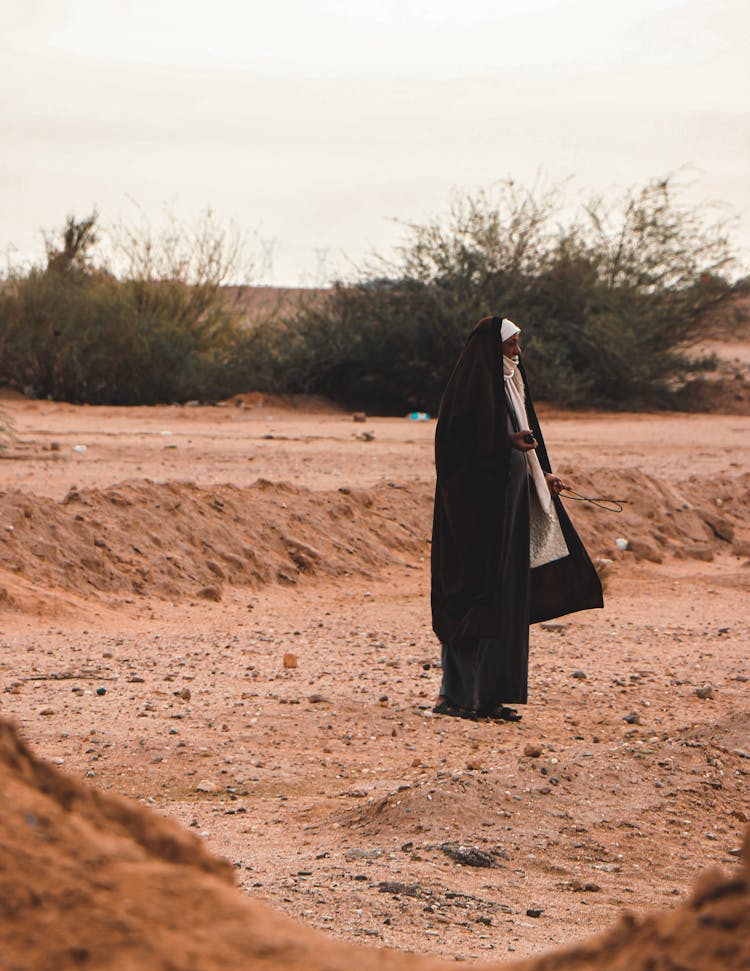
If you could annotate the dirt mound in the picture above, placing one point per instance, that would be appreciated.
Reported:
(177, 540)
(693, 518)
(413, 809)
(731, 733)
(89, 880)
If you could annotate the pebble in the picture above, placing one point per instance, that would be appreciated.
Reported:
(705, 691)
(468, 855)
(632, 718)
(185, 694)
(534, 911)
(290, 661)
(580, 675)
(207, 786)
(532, 750)
(554, 625)
(101, 691)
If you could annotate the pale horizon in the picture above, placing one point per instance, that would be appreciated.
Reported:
(317, 128)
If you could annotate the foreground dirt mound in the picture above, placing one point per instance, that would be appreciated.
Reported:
(176, 540)
(88, 880)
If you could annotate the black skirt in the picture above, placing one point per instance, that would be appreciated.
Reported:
(484, 672)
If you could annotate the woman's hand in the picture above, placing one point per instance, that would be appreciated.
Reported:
(554, 483)
(518, 440)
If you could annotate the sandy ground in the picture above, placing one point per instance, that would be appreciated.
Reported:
(329, 785)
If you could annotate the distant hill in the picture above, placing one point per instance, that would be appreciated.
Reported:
(261, 302)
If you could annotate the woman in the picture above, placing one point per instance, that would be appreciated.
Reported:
(504, 553)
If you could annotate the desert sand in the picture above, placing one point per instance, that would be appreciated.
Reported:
(222, 613)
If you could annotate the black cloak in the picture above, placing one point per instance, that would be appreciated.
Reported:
(472, 453)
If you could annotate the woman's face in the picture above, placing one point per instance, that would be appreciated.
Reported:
(512, 347)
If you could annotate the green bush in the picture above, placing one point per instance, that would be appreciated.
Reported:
(72, 331)
(611, 303)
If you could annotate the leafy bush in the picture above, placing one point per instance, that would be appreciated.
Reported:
(610, 303)
(166, 332)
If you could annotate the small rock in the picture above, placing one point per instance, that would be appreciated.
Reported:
(621, 543)
(101, 691)
(474, 765)
(580, 675)
(468, 855)
(47, 711)
(705, 691)
(186, 694)
(553, 625)
(359, 416)
(578, 887)
(532, 750)
(534, 911)
(290, 661)
(210, 593)
(54, 446)
(317, 699)
(632, 718)
(207, 786)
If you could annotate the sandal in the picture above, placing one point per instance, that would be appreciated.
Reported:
(501, 714)
(447, 708)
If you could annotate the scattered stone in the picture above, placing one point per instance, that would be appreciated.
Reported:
(54, 446)
(578, 886)
(400, 889)
(534, 911)
(210, 593)
(553, 625)
(474, 765)
(351, 855)
(580, 675)
(316, 699)
(632, 718)
(47, 711)
(359, 416)
(532, 750)
(185, 694)
(207, 786)
(621, 543)
(705, 691)
(290, 661)
(467, 855)
(101, 691)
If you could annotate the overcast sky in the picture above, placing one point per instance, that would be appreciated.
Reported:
(317, 126)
